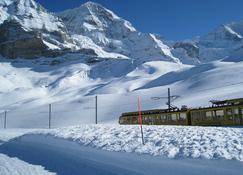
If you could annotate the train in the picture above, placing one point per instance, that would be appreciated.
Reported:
(220, 113)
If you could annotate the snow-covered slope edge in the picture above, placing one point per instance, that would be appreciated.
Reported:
(53, 153)
(166, 141)
(170, 141)
(14, 166)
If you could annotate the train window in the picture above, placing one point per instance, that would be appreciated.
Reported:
(182, 116)
(209, 114)
(173, 117)
(196, 115)
(146, 119)
(157, 119)
(168, 117)
(122, 120)
(236, 111)
(220, 113)
(151, 120)
(163, 118)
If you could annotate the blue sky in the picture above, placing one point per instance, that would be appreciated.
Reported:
(173, 19)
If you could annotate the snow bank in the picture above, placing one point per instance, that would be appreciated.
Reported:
(8, 134)
(14, 166)
(66, 157)
(169, 141)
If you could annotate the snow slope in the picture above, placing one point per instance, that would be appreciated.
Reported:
(69, 150)
(71, 88)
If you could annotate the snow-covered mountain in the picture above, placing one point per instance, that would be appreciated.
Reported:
(93, 26)
(30, 31)
(225, 42)
(222, 43)
(90, 29)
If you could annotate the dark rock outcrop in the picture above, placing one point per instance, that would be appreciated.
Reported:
(191, 49)
(17, 42)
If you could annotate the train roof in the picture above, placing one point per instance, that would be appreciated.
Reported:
(154, 111)
(216, 104)
(225, 102)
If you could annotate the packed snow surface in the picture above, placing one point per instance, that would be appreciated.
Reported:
(8, 134)
(14, 166)
(65, 157)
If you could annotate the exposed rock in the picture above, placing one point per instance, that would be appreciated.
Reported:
(191, 49)
(89, 52)
(12, 30)
(16, 42)
(24, 48)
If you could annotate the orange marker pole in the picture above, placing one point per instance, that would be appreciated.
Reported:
(140, 119)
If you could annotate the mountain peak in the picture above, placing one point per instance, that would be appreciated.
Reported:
(90, 3)
(98, 9)
(30, 3)
(93, 17)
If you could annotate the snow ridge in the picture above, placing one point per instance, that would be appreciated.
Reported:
(169, 141)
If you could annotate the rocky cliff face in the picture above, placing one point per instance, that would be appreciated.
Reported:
(29, 31)
(16, 42)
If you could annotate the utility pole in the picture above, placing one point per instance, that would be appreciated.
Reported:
(96, 109)
(49, 116)
(5, 119)
(140, 119)
(169, 97)
(169, 105)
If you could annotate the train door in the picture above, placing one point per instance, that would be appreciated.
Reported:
(237, 116)
(241, 116)
(229, 116)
